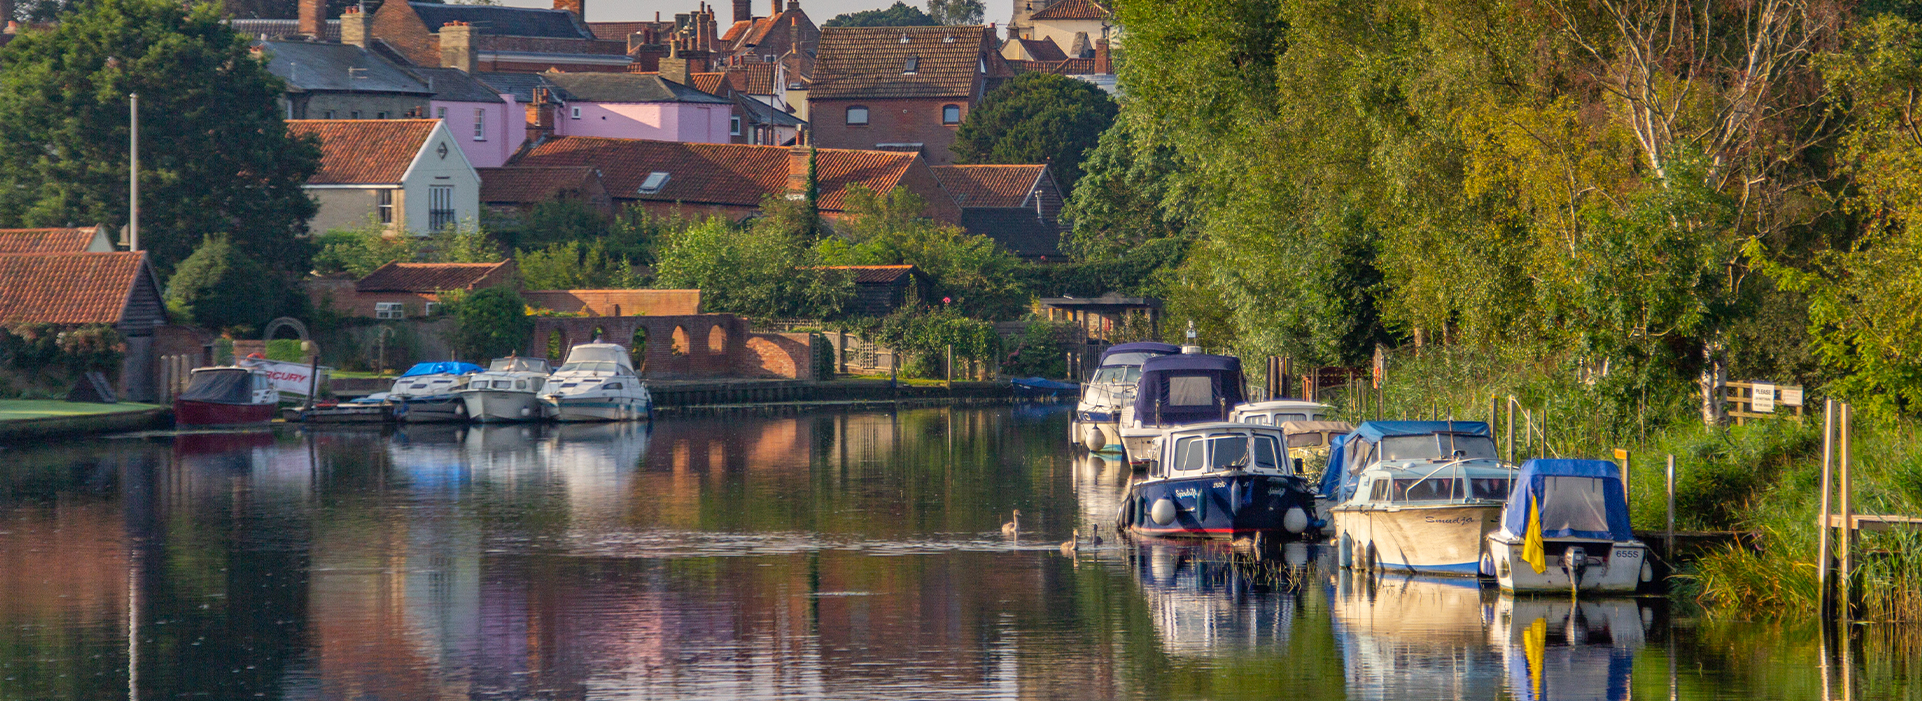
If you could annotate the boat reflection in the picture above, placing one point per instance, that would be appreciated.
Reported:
(1411, 637)
(1210, 599)
(1562, 650)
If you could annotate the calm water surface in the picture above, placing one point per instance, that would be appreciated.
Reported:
(829, 555)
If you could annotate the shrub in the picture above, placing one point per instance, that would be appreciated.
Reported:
(490, 323)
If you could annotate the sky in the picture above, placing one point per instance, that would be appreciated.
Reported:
(818, 10)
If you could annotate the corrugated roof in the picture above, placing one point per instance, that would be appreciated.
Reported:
(1071, 9)
(456, 85)
(722, 174)
(872, 62)
(504, 21)
(318, 66)
(527, 185)
(426, 277)
(364, 151)
(627, 87)
(874, 274)
(45, 240)
(67, 288)
(990, 185)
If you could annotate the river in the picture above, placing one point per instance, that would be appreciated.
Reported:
(827, 555)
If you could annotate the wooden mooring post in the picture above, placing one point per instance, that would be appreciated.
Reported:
(1668, 543)
(1825, 595)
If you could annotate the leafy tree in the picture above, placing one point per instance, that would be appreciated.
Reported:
(358, 251)
(957, 12)
(491, 323)
(215, 155)
(897, 15)
(222, 287)
(1037, 118)
(972, 273)
(1126, 197)
(575, 266)
(764, 269)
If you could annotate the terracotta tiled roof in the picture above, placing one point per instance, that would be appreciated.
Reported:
(873, 62)
(752, 78)
(1072, 66)
(426, 277)
(67, 288)
(720, 174)
(708, 82)
(523, 185)
(45, 240)
(744, 34)
(736, 31)
(364, 151)
(990, 185)
(1042, 49)
(1072, 9)
(874, 274)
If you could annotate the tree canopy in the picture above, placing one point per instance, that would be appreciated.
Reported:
(957, 12)
(215, 155)
(490, 323)
(897, 15)
(1037, 118)
(222, 287)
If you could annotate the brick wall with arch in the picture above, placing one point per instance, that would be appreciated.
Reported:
(682, 346)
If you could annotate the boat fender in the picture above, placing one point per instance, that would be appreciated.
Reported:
(1344, 553)
(1319, 524)
(1488, 565)
(1094, 439)
(460, 409)
(1234, 497)
(1648, 572)
(526, 410)
(1295, 521)
(1164, 511)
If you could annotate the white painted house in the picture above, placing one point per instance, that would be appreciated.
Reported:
(408, 175)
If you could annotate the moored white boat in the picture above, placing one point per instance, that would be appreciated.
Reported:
(1177, 390)
(1415, 496)
(508, 391)
(597, 383)
(1097, 416)
(1570, 517)
(426, 392)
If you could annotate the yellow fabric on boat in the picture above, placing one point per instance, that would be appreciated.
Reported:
(1532, 552)
(1535, 645)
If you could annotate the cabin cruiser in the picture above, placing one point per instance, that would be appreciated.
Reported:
(1097, 417)
(1565, 529)
(597, 383)
(507, 391)
(1310, 441)
(1177, 390)
(1419, 496)
(426, 392)
(1276, 411)
(226, 395)
(1221, 480)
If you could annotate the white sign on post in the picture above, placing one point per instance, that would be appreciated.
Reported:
(1762, 398)
(291, 378)
(1790, 396)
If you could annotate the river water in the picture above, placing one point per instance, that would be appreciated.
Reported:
(826, 555)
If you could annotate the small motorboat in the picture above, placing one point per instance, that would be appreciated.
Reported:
(508, 391)
(1565, 529)
(1415, 496)
(1097, 416)
(1177, 390)
(1221, 480)
(1310, 441)
(1275, 412)
(426, 392)
(226, 395)
(597, 383)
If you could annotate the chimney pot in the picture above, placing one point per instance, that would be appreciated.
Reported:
(354, 26)
(743, 10)
(457, 47)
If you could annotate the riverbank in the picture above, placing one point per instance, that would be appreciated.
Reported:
(26, 419)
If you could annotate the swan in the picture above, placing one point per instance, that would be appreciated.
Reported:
(1095, 538)
(1073, 544)
(1012, 527)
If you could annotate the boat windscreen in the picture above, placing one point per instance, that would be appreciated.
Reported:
(1117, 374)
(1431, 489)
(1132, 359)
(220, 387)
(1573, 504)
(1436, 446)
(1306, 440)
(592, 366)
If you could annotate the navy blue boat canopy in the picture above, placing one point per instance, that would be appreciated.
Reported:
(1188, 388)
(447, 367)
(1144, 347)
(1338, 484)
(1576, 498)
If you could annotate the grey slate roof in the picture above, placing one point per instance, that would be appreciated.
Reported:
(1020, 230)
(504, 21)
(765, 113)
(315, 66)
(627, 87)
(280, 28)
(520, 85)
(455, 85)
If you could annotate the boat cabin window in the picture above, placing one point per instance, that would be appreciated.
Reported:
(1307, 440)
(593, 366)
(1226, 452)
(520, 384)
(1431, 489)
(1257, 419)
(1279, 418)
(1573, 503)
(1490, 487)
(1122, 374)
(611, 385)
(1191, 391)
(1437, 446)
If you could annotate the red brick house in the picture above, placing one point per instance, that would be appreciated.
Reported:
(406, 290)
(1016, 205)
(732, 180)
(901, 88)
(506, 194)
(76, 289)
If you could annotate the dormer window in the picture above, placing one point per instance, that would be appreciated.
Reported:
(912, 67)
(905, 39)
(653, 184)
(949, 39)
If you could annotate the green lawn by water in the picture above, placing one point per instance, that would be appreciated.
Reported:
(22, 409)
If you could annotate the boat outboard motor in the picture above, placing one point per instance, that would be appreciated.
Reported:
(1574, 563)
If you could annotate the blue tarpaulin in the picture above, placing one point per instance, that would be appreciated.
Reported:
(1146, 347)
(1337, 484)
(1580, 509)
(1188, 388)
(445, 367)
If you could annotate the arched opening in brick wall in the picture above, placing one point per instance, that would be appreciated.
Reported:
(680, 341)
(600, 334)
(717, 340)
(637, 349)
(556, 346)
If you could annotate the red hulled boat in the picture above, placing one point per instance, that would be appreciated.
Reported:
(224, 396)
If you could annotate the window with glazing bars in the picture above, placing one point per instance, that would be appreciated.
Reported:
(440, 207)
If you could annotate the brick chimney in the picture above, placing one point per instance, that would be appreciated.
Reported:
(743, 10)
(799, 159)
(578, 7)
(353, 26)
(1103, 61)
(313, 17)
(540, 116)
(457, 49)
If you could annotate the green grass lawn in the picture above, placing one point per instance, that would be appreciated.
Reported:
(22, 409)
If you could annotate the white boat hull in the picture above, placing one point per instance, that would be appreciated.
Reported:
(1432, 539)
(1622, 569)
(429, 409)
(491, 406)
(597, 408)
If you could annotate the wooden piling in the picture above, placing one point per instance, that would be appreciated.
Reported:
(1844, 572)
(1826, 595)
(1669, 539)
(1511, 429)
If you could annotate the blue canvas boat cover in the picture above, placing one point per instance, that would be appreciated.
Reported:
(1188, 388)
(1042, 383)
(1338, 485)
(445, 367)
(1594, 509)
(1147, 347)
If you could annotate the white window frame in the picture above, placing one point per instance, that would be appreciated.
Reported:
(440, 113)
(384, 205)
(430, 309)
(734, 126)
(390, 310)
(944, 114)
(480, 124)
(866, 116)
(440, 207)
(575, 112)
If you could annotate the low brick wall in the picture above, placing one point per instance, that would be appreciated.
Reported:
(687, 345)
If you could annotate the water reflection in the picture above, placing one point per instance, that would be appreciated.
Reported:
(1209, 599)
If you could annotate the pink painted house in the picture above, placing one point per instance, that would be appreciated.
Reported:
(489, 124)
(638, 106)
